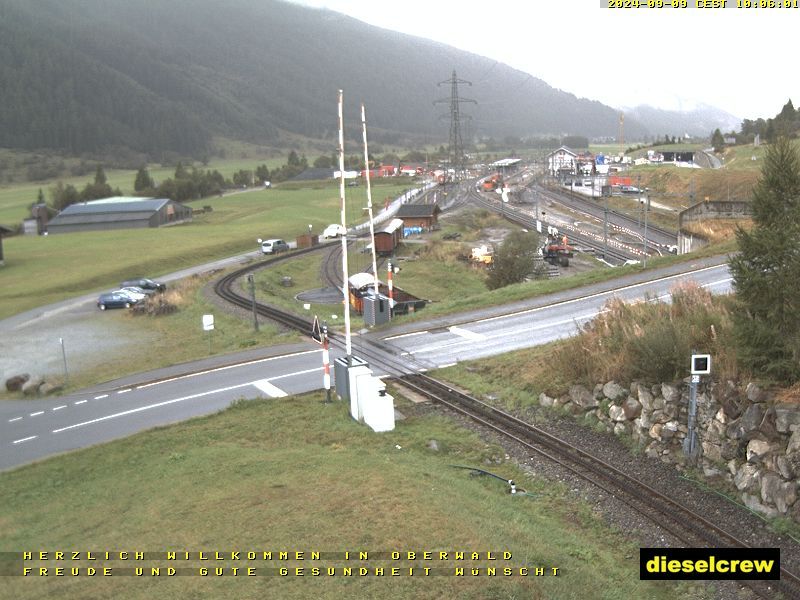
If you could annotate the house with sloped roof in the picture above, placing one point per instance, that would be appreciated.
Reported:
(419, 215)
(119, 213)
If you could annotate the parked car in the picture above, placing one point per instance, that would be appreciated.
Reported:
(333, 230)
(115, 300)
(136, 293)
(273, 246)
(145, 284)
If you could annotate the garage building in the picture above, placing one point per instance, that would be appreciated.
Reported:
(119, 213)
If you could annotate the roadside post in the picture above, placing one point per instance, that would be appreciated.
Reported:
(700, 365)
(208, 325)
(326, 363)
(64, 357)
(251, 280)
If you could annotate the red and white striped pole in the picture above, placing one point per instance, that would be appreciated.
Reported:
(389, 281)
(326, 364)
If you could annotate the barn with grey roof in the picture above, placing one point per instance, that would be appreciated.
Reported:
(119, 213)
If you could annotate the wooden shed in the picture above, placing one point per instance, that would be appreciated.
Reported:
(389, 237)
(419, 215)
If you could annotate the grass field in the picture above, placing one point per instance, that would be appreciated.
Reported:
(41, 270)
(297, 475)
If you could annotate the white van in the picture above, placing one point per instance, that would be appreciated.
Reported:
(333, 230)
(273, 246)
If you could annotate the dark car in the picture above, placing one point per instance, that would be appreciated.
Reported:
(145, 284)
(115, 300)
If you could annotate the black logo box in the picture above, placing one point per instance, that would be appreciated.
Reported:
(709, 563)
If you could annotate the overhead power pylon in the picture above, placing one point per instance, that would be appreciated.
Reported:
(455, 148)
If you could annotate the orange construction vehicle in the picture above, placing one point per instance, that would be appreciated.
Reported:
(557, 251)
(492, 183)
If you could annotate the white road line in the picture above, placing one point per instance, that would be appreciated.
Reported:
(81, 402)
(15, 419)
(36, 414)
(244, 364)
(447, 365)
(149, 406)
(465, 333)
(124, 391)
(270, 390)
(320, 368)
(60, 407)
(27, 439)
(101, 397)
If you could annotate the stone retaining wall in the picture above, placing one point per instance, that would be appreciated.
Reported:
(744, 436)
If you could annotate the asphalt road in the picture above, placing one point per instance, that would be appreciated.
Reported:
(34, 429)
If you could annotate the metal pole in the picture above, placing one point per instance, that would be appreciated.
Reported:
(326, 363)
(369, 203)
(345, 288)
(389, 275)
(252, 282)
(646, 207)
(690, 444)
(605, 229)
(64, 357)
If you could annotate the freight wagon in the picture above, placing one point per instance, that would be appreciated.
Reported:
(362, 284)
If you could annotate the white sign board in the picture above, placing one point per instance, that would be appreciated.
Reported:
(208, 322)
(701, 364)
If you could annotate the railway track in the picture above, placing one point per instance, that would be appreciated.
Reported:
(691, 528)
(656, 236)
(616, 252)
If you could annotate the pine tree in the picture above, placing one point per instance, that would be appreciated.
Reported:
(100, 175)
(717, 141)
(143, 181)
(766, 271)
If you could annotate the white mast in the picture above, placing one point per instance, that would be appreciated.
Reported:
(369, 201)
(345, 286)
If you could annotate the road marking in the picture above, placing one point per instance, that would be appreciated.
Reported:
(124, 391)
(447, 365)
(149, 406)
(15, 419)
(60, 407)
(270, 390)
(314, 370)
(81, 402)
(36, 414)
(225, 368)
(101, 397)
(465, 333)
(27, 439)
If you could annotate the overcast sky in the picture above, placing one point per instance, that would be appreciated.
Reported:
(742, 61)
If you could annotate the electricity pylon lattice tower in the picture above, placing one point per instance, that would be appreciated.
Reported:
(455, 148)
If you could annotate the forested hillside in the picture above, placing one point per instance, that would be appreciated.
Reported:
(153, 76)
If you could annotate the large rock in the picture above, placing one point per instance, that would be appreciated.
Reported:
(754, 393)
(670, 393)
(15, 383)
(632, 408)
(747, 423)
(582, 397)
(655, 431)
(612, 390)
(785, 418)
(669, 430)
(31, 387)
(616, 413)
(758, 449)
(777, 492)
(785, 467)
(712, 452)
(747, 478)
(752, 502)
(48, 388)
(545, 400)
(645, 397)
